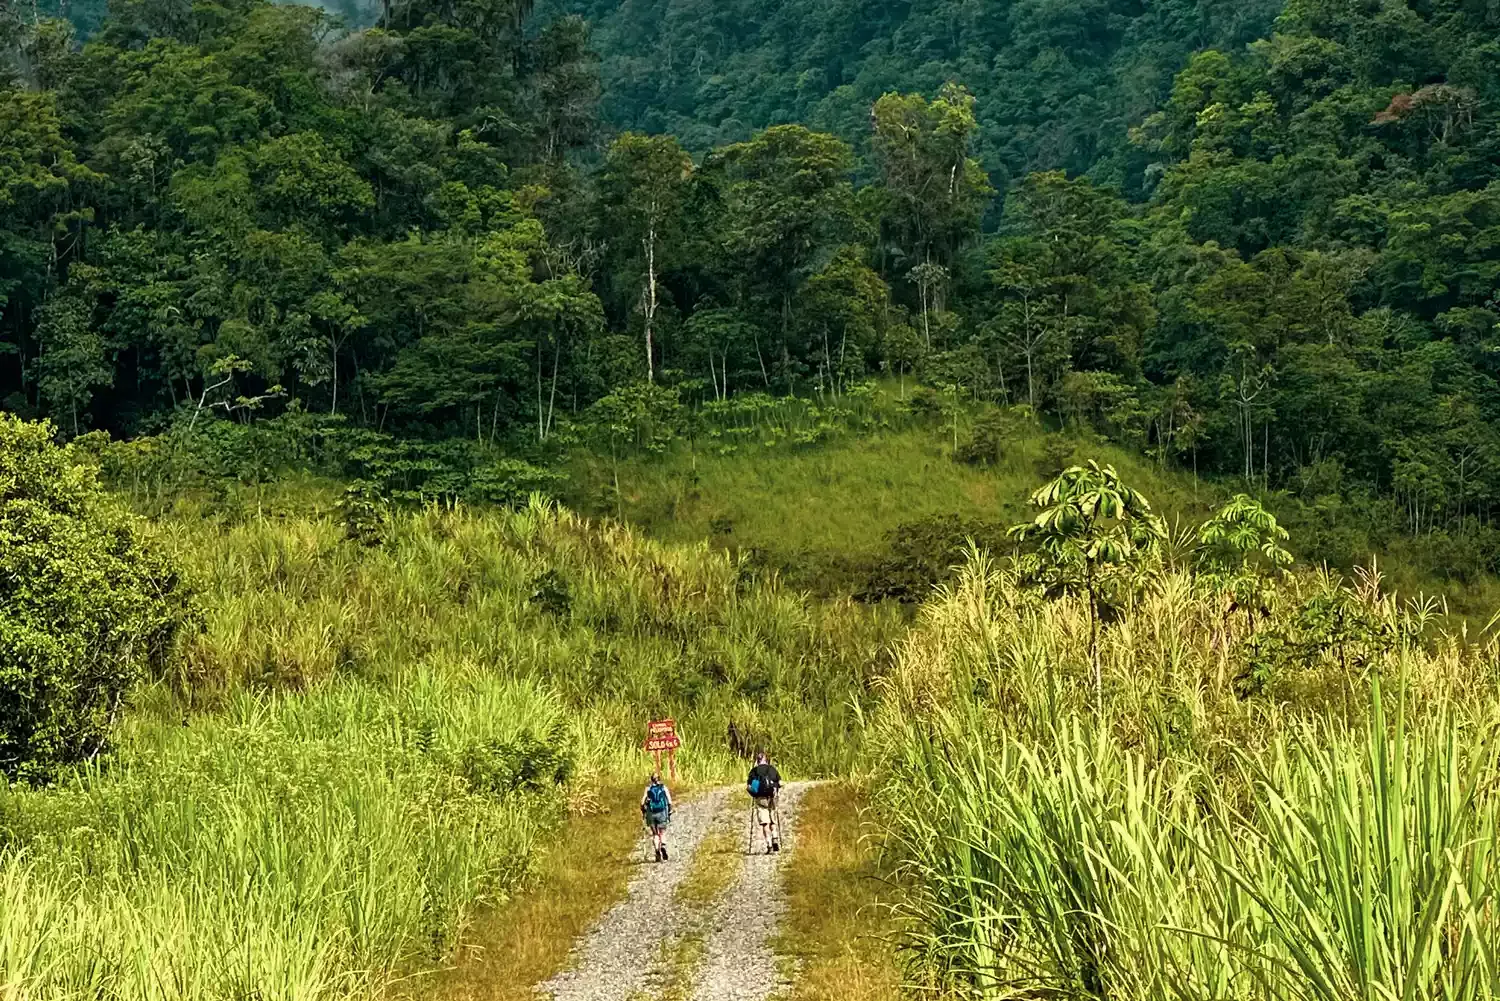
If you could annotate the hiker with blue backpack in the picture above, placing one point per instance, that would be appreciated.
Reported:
(763, 785)
(656, 810)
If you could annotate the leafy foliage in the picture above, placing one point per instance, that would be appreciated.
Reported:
(87, 605)
(1092, 532)
(1089, 517)
(1244, 533)
(1278, 265)
(1059, 83)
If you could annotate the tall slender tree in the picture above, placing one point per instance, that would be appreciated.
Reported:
(643, 192)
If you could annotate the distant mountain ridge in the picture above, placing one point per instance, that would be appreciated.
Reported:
(1058, 83)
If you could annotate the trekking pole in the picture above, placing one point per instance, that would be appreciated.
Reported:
(750, 831)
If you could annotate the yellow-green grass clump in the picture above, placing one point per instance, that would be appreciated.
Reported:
(366, 743)
(1293, 800)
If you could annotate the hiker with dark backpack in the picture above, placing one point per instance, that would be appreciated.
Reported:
(763, 785)
(656, 810)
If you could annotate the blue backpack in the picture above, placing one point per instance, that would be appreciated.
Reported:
(753, 786)
(656, 799)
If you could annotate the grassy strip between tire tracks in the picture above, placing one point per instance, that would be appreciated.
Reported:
(714, 868)
(837, 925)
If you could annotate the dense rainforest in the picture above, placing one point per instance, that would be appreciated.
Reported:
(1059, 84)
(1254, 243)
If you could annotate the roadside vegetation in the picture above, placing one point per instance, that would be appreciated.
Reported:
(1254, 783)
(383, 719)
(841, 932)
(523, 941)
(1112, 754)
(385, 436)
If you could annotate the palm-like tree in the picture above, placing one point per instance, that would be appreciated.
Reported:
(1244, 533)
(1089, 522)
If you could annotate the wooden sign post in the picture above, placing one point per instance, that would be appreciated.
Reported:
(661, 735)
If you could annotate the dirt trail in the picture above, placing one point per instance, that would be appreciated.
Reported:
(738, 962)
(618, 960)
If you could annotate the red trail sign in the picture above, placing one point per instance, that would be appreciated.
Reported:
(661, 735)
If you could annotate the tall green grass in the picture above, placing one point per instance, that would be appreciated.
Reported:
(615, 623)
(819, 510)
(1192, 840)
(1331, 866)
(288, 846)
(365, 743)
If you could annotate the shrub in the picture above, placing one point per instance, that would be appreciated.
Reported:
(86, 605)
(364, 513)
(919, 555)
(985, 444)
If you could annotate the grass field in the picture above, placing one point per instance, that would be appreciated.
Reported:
(384, 735)
(524, 941)
(840, 928)
(823, 514)
(386, 726)
(1299, 806)
(286, 846)
(820, 512)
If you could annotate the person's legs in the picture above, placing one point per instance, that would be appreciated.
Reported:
(766, 819)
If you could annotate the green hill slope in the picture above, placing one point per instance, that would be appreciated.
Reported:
(862, 511)
(884, 514)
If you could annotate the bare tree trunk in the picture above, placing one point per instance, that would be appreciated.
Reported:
(541, 428)
(786, 330)
(552, 396)
(828, 362)
(1030, 384)
(926, 325)
(843, 344)
(650, 299)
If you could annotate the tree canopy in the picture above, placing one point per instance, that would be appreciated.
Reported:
(1256, 243)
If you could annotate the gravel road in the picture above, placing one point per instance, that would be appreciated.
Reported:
(738, 962)
(616, 961)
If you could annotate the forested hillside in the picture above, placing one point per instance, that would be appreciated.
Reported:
(402, 406)
(428, 231)
(1058, 83)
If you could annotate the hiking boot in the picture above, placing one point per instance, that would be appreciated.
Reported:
(769, 849)
(663, 853)
(775, 846)
(658, 853)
